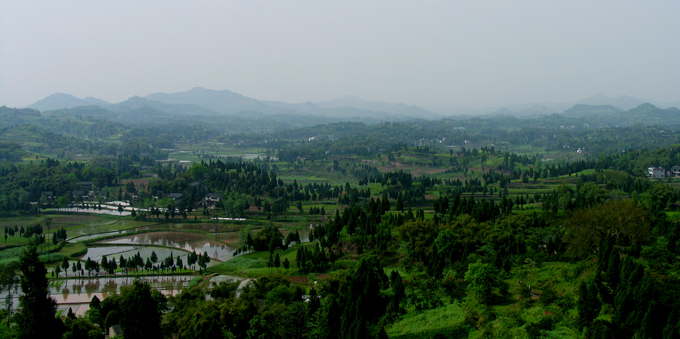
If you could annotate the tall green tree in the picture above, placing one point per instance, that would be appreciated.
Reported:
(483, 278)
(37, 317)
(8, 287)
(623, 220)
(81, 328)
(363, 302)
(588, 304)
(140, 317)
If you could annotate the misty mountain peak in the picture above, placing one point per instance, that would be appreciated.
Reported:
(621, 101)
(62, 100)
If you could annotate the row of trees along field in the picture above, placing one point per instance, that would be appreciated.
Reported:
(243, 179)
(135, 263)
(605, 245)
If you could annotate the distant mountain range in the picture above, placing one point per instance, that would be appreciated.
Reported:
(206, 102)
(622, 103)
(355, 102)
(223, 102)
(62, 100)
(584, 110)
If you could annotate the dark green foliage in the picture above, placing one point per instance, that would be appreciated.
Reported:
(588, 304)
(223, 290)
(112, 318)
(623, 220)
(292, 237)
(38, 310)
(201, 321)
(672, 328)
(633, 293)
(284, 294)
(95, 302)
(600, 329)
(394, 308)
(268, 238)
(59, 235)
(314, 260)
(326, 323)
(140, 317)
(314, 302)
(483, 279)
(537, 329)
(363, 303)
(422, 292)
(79, 328)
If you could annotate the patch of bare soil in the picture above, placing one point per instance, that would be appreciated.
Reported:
(298, 279)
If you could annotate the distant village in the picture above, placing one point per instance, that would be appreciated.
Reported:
(660, 172)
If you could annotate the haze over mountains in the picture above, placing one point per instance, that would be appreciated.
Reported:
(201, 101)
(205, 102)
(63, 100)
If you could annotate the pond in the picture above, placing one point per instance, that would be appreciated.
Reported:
(186, 241)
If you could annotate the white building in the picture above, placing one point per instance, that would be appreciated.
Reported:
(656, 172)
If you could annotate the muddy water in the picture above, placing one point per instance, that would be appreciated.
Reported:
(185, 241)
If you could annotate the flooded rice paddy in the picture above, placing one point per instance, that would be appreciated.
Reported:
(96, 253)
(181, 240)
(77, 290)
(94, 232)
(79, 238)
(77, 293)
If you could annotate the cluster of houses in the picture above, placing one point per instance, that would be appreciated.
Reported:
(208, 200)
(660, 172)
(85, 193)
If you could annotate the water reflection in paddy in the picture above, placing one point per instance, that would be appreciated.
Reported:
(94, 236)
(81, 291)
(94, 232)
(96, 253)
(70, 288)
(185, 241)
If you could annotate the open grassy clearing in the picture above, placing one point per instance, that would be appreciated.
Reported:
(426, 324)
(195, 152)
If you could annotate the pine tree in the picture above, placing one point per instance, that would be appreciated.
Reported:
(394, 308)
(588, 304)
(65, 265)
(363, 303)
(37, 318)
(270, 262)
(140, 317)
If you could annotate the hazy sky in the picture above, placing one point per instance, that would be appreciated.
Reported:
(426, 53)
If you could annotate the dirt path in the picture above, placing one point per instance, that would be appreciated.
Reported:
(206, 278)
